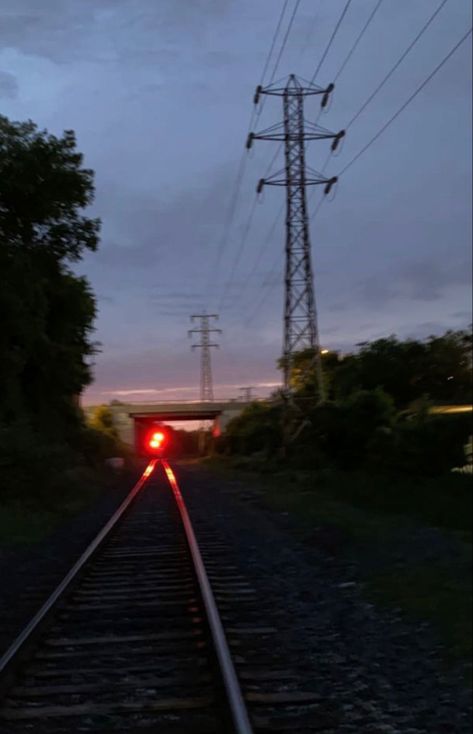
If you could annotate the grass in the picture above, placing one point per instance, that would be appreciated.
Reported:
(432, 593)
(29, 519)
(22, 524)
(379, 517)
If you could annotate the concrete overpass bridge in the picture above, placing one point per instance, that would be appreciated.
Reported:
(127, 415)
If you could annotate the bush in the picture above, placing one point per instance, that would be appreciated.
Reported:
(422, 446)
(362, 432)
(28, 465)
(339, 433)
(257, 429)
(38, 468)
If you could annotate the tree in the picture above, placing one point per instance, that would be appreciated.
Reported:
(438, 368)
(447, 375)
(257, 428)
(303, 375)
(43, 189)
(47, 311)
(101, 420)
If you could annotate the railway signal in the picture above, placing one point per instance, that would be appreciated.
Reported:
(157, 439)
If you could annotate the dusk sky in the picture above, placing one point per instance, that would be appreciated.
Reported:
(160, 93)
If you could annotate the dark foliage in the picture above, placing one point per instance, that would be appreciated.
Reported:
(377, 415)
(438, 368)
(257, 429)
(47, 311)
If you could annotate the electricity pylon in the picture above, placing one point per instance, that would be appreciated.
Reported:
(247, 393)
(206, 385)
(300, 316)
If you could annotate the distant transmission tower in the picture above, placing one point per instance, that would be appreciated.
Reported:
(247, 393)
(205, 330)
(300, 317)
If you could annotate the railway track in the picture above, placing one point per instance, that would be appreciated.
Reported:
(131, 638)
(145, 634)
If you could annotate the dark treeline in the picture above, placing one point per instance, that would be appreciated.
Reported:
(377, 414)
(47, 311)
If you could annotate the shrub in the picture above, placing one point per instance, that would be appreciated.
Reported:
(29, 466)
(424, 446)
(258, 428)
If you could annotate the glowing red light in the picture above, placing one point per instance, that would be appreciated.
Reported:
(157, 440)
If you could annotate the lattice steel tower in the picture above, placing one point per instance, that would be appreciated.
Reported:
(206, 385)
(300, 317)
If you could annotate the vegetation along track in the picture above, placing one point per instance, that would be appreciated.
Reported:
(132, 639)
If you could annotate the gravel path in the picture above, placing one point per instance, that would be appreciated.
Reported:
(383, 675)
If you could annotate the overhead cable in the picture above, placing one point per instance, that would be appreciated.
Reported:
(397, 64)
(331, 40)
(357, 41)
(273, 43)
(407, 102)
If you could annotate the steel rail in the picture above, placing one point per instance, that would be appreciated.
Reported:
(20, 642)
(236, 701)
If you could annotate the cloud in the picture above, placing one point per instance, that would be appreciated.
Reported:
(425, 329)
(160, 95)
(65, 31)
(173, 296)
(105, 299)
(424, 279)
(427, 279)
(375, 291)
(462, 316)
(8, 85)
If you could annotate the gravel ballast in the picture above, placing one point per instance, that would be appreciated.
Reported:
(381, 673)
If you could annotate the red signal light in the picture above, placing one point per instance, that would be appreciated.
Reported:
(156, 440)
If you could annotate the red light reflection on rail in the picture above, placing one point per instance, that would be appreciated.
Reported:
(173, 482)
(149, 469)
(171, 478)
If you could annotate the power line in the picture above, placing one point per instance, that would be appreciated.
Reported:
(255, 306)
(397, 64)
(270, 285)
(283, 45)
(406, 103)
(246, 232)
(273, 43)
(317, 208)
(342, 68)
(257, 111)
(239, 251)
(258, 303)
(230, 212)
(267, 240)
(254, 118)
(265, 291)
(262, 250)
(360, 36)
(331, 40)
